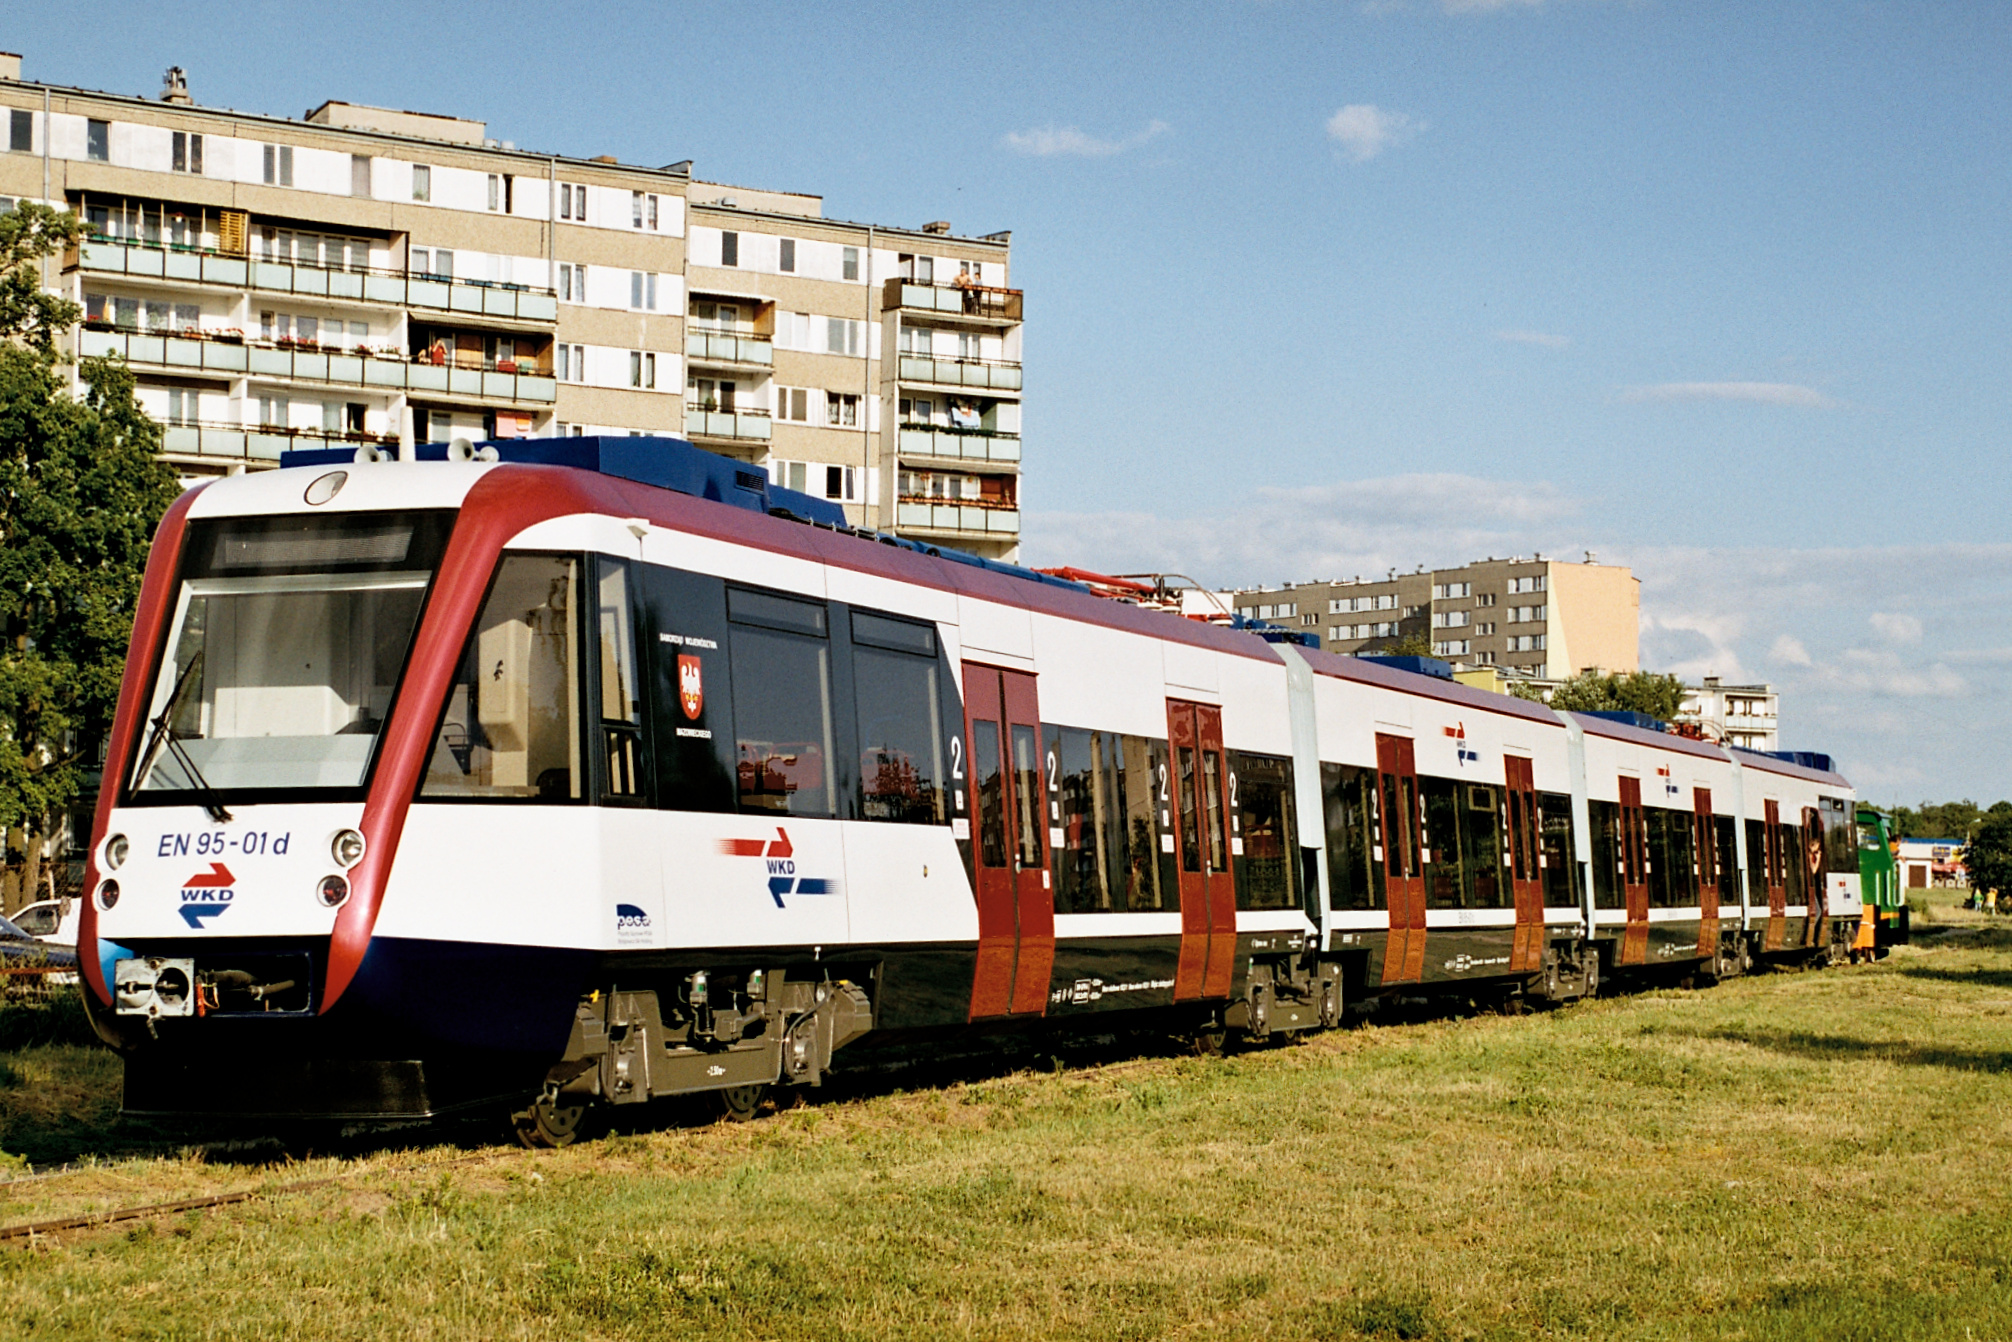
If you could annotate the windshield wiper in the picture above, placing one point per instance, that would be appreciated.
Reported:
(211, 802)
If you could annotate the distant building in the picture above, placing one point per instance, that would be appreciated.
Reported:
(1531, 617)
(1736, 715)
(1931, 862)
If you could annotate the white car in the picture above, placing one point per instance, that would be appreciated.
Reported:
(51, 920)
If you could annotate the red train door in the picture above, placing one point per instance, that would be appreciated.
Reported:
(1202, 851)
(1706, 848)
(1016, 912)
(1403, 868)
(1635, 872)
(1777, 880)
(1527, 881)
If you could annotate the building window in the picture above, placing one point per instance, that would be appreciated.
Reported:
(851, 263)
(21, 131)
(841, 336)
(279, 165)
(841, 408)
(572, 283)
(1485, 599)
(187, 155)
(98, 141)
(1450, 619)
(643, 290)
(653, 211)
(792, 403)
(1446, 591)
(495, 191)
(642, 370)
(635, 209)
(422, 182)
(730, 249)
(1483, 630)
(570, 362)
(359, 176)
(1529, 583)
(786, 255)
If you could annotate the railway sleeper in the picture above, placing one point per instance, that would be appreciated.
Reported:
(755, 1029)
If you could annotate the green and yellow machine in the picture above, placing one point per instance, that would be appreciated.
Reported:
(1884, 920)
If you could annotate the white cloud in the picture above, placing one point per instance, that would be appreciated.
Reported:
(1895, 628)
(1759, 393)
(1069, 142)
(1364, 130)
(1534, 338)
(1788, 650)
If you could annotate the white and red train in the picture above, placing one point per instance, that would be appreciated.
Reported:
(585, 777)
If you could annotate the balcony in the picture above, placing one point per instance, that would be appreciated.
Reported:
(998, 306)
(392, 373)
(396, 288)
(941, 444)
(921, 513)
(709, 421)
(257, 442)
(979, 374)
(714, 347)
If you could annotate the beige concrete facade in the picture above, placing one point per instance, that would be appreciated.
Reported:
(1530, 617)
(364, 273)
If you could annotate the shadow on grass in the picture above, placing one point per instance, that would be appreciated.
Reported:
(1982, 978)
(1842, 1048)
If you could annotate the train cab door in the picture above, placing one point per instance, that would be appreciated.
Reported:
(1526, 880)
(1202, 851)
(1777, 879)
(1016, 910)
(1635, 872)
(1705, 848)
(1403, 864)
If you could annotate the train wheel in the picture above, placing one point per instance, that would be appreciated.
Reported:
(738, 1104)
(548, 1122)
(1210, 1041)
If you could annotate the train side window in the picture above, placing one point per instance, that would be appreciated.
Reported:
(1481, 845)
(989, 782)
(1028, 821)
(1606, 820)
(896, 700)
(1262, 796)
(780, 664)
(1441, 842)
(1079, 802)
(684, 650)
(1191, 839)
(1354, 876)
(1789, 849)
(621, 699)
(1561, 868)
(512, 726)
(1212, 805)
(1137, 768)
(1729, 860)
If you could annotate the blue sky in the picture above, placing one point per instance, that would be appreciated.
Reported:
(1718, 290)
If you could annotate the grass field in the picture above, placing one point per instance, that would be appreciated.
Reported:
(1798, 1155)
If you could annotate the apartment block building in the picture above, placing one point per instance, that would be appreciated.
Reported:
(1526, 616)
(1738, 715)
(361, 274)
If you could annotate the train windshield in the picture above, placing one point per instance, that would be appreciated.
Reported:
(288, 639)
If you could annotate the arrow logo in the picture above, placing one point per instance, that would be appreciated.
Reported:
(780, 848)
(193, 914)
(218, 877)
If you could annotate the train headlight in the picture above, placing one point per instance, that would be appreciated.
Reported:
(116, 849)
(108, 894)
(346, 848)
(334, 890)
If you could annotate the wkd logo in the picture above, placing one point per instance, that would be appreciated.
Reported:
(1459, 734)
(207, 894)
(781, 859)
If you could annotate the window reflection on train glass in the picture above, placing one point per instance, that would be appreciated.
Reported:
(990, 783)
(1671, 881)
(1354, 876)
(1606, 819)
(1212, 804)
(1481, 846)
(1757, 864)
(1191, 839)
(621, 703)
(1561, 867)
(1791, 864)
(1137, 880)
(289, 635)
(1729, 860)
(1263, 795)
(1840, 841)
(1028, 821)
(1082, 881)
(1441, 842)
(900, 726)
(782, 703)
(511, 727)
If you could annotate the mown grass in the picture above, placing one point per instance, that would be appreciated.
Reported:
(1793, 1156)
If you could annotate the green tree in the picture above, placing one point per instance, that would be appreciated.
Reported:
(1597, 691)
(81, 490)
(1988, 855)
(1404, 645)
